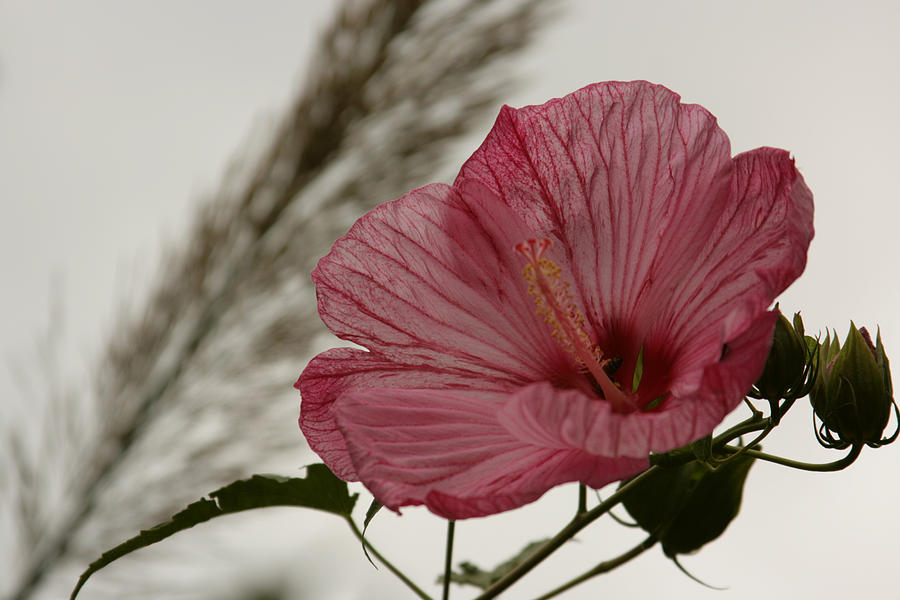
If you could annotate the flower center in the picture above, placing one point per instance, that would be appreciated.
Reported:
(556, 304)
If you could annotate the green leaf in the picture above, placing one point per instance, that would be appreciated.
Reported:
(690, 505)
(470, 574)
(714, 503)
(320, 489)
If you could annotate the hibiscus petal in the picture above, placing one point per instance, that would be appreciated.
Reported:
(570, 419)
(340, 370)
(630, 180)
(424, 281)
(725, 383)
(448, 451)
(757, 249)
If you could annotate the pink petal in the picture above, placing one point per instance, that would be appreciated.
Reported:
(432, 279)
(725, 383)
(630, 180)
(340, 370)
(757, 249)
(570, 419)
(447, 450)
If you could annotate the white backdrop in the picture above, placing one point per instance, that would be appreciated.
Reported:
(115, 118)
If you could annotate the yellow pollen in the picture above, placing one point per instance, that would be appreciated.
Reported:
(555, 303)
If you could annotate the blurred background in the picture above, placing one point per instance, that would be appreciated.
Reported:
(170, 172)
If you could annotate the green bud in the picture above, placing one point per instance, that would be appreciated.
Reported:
(852, 393)
(687, 506)
(786, 367)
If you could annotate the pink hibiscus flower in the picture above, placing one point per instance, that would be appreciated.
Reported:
(594, 286)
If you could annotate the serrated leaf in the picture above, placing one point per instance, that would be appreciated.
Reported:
(320, 489)
(470, 574)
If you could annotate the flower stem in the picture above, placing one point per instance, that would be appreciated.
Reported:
(565, 534)
(751, 425)
(416, 589)
(582, 499)
(448, 559)
(604, 567)
(686, 454)
(780, 460)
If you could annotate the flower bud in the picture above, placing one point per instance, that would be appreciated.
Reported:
(852, 394)
(787, 366)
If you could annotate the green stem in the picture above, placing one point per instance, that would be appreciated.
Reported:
(565, 534)
(780, 460)
(448, 559)
(604, 567)
(745, 448)
(685, 455)
(751, 425)
(582, 498)
(418, 591)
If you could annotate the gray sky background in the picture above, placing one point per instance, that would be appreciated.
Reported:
(115, 118)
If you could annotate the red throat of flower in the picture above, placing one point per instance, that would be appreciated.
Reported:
(555, 303)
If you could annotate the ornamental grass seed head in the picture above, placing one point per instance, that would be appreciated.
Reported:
(593, 287)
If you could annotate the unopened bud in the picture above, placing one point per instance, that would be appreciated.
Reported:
(852, 394)
(787, 366)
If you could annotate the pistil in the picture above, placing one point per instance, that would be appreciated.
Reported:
(556, 304)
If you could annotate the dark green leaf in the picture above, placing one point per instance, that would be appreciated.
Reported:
(658, 499)
(320, 489)
(714, 503)
(687, 506)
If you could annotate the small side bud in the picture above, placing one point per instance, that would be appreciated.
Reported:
(787, 367)
(852, 393)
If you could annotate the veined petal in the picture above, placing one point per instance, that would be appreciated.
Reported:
(628, 179)
(424, 280)
(448, 451)
(570, 419)
(725, 383)
(341, 370)
(758, 248)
